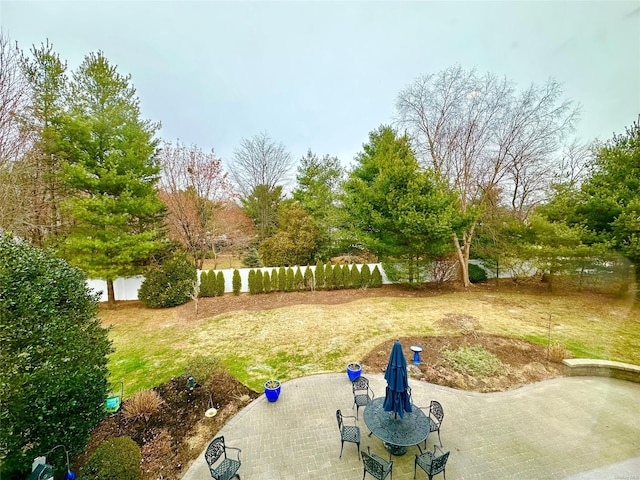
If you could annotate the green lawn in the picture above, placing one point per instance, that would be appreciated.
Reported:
(284, 343)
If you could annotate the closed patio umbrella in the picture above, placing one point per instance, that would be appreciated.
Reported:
(397, 399)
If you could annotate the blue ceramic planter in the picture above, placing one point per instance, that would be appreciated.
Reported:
(354, 370)
(272, 390)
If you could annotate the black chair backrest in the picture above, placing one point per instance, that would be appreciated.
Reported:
(439, 463)
(339, 418)
(215, 450)
(436, 409)
(371, 465)
(360, 383)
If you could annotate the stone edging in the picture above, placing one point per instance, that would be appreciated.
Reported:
(601, 368)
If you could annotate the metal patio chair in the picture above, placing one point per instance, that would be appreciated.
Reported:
(436, 414)
(361, 390)
(225, 469)
(376, 466)
(348, 433)
(431, 464)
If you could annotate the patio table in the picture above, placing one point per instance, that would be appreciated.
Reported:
(396, 433)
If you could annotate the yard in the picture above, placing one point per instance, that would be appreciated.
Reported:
(283, 336)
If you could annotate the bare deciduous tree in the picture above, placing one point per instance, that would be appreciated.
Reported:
(193, 187)
(14, 98)
(493, 145)
(573, 168)
(14, 141)
(260, 161)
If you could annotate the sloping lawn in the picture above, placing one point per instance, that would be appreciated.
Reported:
(283, 336)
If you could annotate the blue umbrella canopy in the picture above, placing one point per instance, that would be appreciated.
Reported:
(397, 399)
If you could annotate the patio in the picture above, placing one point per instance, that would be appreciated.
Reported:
(575, 427)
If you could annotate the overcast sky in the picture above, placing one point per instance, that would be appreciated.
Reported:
(322, 75)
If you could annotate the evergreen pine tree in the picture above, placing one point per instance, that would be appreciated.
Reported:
(274, 280)
(111, 165)
(252, 259)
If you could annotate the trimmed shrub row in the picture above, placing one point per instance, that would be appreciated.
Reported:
(211, 284)
(327, 277)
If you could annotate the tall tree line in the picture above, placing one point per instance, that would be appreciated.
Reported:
(86, 166)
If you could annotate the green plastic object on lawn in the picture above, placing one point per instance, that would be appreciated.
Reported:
(113, 401)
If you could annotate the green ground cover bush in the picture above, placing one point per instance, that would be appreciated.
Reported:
(116, 458)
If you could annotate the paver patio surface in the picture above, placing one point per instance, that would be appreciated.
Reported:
(571, 427)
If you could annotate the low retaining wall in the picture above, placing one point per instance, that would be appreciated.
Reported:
(601, 368)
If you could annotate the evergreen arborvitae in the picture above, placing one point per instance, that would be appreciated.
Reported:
(355, 276)
(259, 285)
(274, 280)
(376, 278)
(282, 279)
(289, 282)
(328, 277)
(220, 284)
(319, 274)
(365, 275)
(308, 278)
(237, 282)
(203, 290)
(344, 276)
(298, 280)
(340, 273)
(251, 280)
(266, 282)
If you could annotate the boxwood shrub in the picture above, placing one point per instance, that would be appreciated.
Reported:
(117, 457)
(477, 274)
(170, 283)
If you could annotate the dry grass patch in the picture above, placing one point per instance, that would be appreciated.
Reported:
(284, 336)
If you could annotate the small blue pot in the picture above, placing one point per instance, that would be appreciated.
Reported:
(271, 393)
(354, 370)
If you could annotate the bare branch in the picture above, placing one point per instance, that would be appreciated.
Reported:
(260, 161)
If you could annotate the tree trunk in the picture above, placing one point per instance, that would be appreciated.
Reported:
(110, 293)
(464, 265)
(462, 252)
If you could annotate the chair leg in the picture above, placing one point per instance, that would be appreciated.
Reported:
(358, 449)
(439, 438)
(415, 467)
(341, 447)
